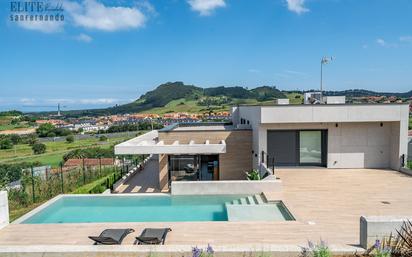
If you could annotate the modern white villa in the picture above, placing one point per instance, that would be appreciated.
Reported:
(265, 137)
(328, 171)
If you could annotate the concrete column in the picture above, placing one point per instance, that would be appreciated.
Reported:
(4, 209)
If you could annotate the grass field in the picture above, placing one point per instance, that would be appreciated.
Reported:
(183, 105)
(5, 123)
(293, 98)
(180, 105)
(55, 151)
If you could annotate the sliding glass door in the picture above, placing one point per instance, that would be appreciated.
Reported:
(297, 147)
(310, 147)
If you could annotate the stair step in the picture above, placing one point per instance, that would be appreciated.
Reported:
(259, 199)
(235, 202)
(251, 200)
(243, 200)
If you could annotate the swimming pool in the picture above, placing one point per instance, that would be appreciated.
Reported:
(127, 208)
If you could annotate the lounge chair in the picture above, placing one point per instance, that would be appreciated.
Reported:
(153, 236)
(111, 236)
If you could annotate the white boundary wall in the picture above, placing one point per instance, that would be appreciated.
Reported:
(4, 209)
(379, 227)
(226, 187)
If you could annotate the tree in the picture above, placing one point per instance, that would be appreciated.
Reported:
(70, 139)
(45, 129)
(6, 143)
(38, 148)
(15, 139)
(31, 139)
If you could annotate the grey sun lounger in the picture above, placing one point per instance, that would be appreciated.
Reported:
(153, 236)
(111, 236)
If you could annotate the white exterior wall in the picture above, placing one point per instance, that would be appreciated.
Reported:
(358, 142)
(252, 114)
(4, 209)
(350, 145)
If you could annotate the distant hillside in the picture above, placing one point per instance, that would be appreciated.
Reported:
(178, 97)
(181, 97)
(362, 92)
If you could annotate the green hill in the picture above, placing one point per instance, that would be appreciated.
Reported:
(178, 97)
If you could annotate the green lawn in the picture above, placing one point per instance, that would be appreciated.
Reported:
(5, 123)
(55, 151)
(183, 105)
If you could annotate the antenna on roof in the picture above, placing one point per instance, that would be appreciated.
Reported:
(323, 61)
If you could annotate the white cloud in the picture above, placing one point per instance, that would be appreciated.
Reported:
(90, 101)
(84, 38)
(28, 101)
(98, 101)
(92, 14)
(381, 42)
(42, 26)
(406, 39)
(297, 6)
(293, 72)
(384, 43)
(206, 7)
(253, 70)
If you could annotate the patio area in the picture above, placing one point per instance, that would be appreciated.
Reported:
(327, 204)
(144, 181)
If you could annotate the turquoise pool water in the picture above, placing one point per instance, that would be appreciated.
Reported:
(88, 209)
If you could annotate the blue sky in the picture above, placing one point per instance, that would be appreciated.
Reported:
(108, 52)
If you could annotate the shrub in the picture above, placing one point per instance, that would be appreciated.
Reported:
(45, 129)
(253, 175)
(102, 138)
(6, 143)
(31, 139)
(15, 139)
(38, 148)
(199, 252)
(316, 250)
(70, 139)
(51, 134)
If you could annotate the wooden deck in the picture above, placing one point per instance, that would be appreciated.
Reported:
(326, 203)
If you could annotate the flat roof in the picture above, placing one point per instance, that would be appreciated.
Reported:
(149, 143)
(200, 126)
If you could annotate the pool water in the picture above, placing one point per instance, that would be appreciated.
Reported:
(152, 208)
(88, 209)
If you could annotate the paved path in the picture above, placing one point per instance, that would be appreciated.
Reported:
(145, 181)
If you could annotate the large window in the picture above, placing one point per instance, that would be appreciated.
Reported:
(310, 146)
(193, 167)
(184, 167)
